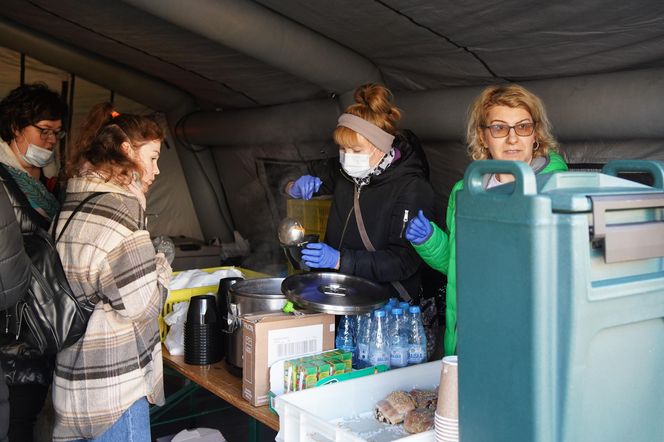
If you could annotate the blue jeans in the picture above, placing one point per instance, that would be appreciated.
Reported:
(133, 425)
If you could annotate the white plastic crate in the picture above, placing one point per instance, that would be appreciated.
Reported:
(343, 412)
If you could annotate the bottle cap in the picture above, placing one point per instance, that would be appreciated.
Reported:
(414, 309)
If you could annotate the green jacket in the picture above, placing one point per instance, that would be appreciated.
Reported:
(440, 254)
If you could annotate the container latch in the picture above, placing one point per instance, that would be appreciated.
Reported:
(627, 241)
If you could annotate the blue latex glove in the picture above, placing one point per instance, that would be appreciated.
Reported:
(305, 187)
(419, 229)
(321, 256)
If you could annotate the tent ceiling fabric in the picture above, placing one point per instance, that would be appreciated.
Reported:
(415, 44)
(210, 72)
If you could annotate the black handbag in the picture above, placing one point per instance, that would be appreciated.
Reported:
(49, 317)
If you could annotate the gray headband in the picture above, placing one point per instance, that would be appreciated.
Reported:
(377, 136)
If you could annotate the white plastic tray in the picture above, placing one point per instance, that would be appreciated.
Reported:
(343, 412)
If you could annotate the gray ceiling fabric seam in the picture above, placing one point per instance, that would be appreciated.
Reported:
(197, 74)
(443, 36)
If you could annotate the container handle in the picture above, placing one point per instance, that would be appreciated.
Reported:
(233, 319)
(655, 168)
(627, 242)
(525, 183)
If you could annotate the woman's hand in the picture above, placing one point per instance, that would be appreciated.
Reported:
(419, 229)
(304, 187)
(320, 256)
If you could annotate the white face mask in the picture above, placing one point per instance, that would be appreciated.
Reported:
(357, 165)
(38, 156)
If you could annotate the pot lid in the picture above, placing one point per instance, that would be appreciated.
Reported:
(334, 293)
(258, 288)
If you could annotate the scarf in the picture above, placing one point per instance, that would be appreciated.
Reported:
(37, 194)
(387, 160)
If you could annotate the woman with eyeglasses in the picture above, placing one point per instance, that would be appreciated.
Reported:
(506, 122)
(31, 125)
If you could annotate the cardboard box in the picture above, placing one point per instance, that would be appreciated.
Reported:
(268, 338)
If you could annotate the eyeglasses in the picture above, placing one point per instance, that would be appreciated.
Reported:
(45, 132)
(502, 130)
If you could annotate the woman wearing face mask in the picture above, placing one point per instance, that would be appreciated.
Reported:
(505, 123)
(31, 119)
(383, 178)
(104, 382)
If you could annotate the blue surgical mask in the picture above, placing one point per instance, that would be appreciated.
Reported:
(38, 156)
(357, 165)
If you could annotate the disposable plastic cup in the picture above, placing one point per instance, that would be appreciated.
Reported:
(445, 429)
(446, 421)
(447, 437)
(202, 310)
(448, 391)
(202, 338)
(448, 432)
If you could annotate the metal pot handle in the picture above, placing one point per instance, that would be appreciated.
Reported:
(224, 303)
(233, 318)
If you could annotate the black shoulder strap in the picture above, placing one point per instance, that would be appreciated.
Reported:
(77, 209)
(369, 245)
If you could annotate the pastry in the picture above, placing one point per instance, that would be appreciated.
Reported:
(419, 420)
(425, 398)
(392, 410)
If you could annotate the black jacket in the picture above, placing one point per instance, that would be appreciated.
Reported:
(14, 277)
(19, 364)
(387, 203)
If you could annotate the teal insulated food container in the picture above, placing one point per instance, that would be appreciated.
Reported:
(560, 295)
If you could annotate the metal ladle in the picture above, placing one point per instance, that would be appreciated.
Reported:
(290, 232)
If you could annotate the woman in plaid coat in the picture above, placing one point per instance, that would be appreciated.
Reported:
(103, 383)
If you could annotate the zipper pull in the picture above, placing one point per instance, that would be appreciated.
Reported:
(20, 321)
(404, 222)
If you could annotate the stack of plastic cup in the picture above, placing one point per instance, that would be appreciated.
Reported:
(202, 336)
(446, 421)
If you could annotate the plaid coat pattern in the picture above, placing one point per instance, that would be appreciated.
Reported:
(107, 251)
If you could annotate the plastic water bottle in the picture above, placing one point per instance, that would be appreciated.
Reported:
(388, 317)
(398, 339)
(345, 334)
(403, 305)
(363, 337)
(417, 339)
(379, 346)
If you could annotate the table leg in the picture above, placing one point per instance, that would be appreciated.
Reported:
(253, 429)
(174, 399)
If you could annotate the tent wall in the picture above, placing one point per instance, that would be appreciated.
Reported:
(158, 96)
(225, 155)
(595, 118)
